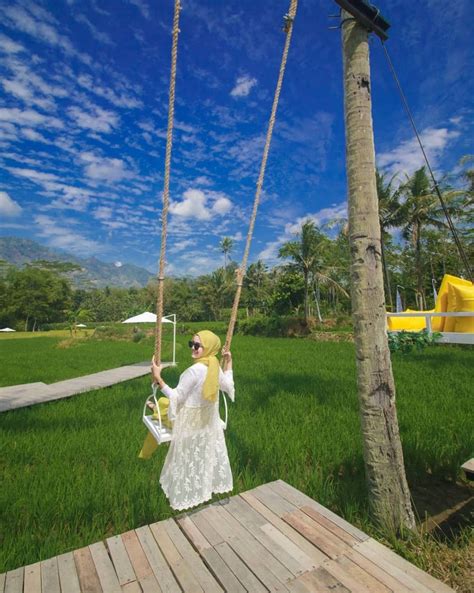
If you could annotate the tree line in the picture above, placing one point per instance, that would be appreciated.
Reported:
(311, 280)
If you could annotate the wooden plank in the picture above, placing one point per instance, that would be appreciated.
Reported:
(277, 568)
(420, 576)
(14, 580)
(226, 554)
(240, 569)
(221, 571)
(312, 552)
(157, 561)
(348, 579)
(376, 572)
(257, 558)
(121, 561)
(273, 501)
(32, 578)
(348, 566)
(135, 552)
(320, 537)
(149, 584)
(298, 586)
(105, 569)
(346, 537)
(300, 499)
(68, 577)
(212, 536)
(195, 536)
(198, 568)
(254, 523)
(50, 576)
(320, 580)
(88, 577)
(380, 558)
(286, 544)
(132, 587)
(178, 565)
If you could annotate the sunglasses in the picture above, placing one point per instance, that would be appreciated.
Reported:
(195, 345)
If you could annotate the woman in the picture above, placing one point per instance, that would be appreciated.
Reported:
(197, 464)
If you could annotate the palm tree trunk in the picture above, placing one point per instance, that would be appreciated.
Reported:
(306, 300)
(419, 270)
(389, 496)
(387, 275)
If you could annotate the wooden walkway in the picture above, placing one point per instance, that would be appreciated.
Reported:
(29, 394)
(272, 538)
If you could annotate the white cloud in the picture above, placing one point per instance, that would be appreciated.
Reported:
(9, 207)
(9, 46)
(203, 181)
(222, 205)
(201, 205)
(335, 212)
(243, 86)
(193, 205)
(65, 237)
(142, 7)
(38, 23)
(28, 117)
(96, 119)
(122, 99)
(104, 169)
(96, 34)
(407, 156)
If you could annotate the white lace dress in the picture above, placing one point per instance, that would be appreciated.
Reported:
(197, 464)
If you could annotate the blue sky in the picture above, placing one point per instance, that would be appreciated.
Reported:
(83, 115)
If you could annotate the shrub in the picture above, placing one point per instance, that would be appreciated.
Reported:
(277, 327)
(138, 336)
(405, 342)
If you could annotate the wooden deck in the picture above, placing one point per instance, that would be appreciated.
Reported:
(272, 538)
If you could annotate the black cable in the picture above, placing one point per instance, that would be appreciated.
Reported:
(452, 228)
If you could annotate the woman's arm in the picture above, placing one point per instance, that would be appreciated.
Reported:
(226, 376)
(180, 393)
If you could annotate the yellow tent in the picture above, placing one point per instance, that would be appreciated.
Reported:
(455, 296)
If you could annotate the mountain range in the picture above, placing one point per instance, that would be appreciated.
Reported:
(94, 273)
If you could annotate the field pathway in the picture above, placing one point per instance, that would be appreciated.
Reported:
(28, 394)
(271, 538)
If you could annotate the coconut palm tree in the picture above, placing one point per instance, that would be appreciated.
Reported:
(390, 216)
(387, 486)
(308, 255)
(421, 209)
(226, 246)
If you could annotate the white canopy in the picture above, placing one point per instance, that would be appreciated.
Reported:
(7, 329)
(81, 325)
(146, 318)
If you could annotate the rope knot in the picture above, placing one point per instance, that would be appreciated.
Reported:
(287, 22)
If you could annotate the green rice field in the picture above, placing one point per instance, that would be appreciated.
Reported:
(70, 470)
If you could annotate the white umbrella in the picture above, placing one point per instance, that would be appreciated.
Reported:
(7, 329)
(146, 318)
(81, 325)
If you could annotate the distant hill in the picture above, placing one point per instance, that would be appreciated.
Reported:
(94, 273)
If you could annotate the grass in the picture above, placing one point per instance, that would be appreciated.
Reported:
(71, 474)
(51, 357)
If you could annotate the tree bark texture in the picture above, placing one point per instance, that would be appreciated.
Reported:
(389, 496)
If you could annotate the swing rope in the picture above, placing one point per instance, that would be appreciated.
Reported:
(288, 29)
(166, 188)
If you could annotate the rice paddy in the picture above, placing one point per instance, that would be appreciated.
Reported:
(70, 470)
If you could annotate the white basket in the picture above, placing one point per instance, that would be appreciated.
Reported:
(161, 433)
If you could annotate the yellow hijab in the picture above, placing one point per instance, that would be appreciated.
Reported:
(212, 345)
